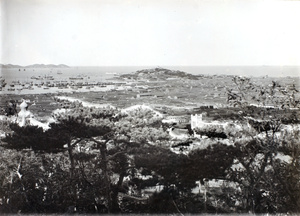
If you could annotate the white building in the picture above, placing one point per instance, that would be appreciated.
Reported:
(196, 121)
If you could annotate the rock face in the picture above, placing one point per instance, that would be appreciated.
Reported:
(159, 74)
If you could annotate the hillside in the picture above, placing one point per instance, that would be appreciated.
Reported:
(159, 74)
(34, 66)
(10, 66)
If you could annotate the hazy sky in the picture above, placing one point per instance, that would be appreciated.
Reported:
(150, 32)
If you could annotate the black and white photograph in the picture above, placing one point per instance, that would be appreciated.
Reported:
(149, 107)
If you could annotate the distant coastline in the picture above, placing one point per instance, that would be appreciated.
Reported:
(34, 66)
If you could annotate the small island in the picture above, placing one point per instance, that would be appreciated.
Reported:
(159, 73)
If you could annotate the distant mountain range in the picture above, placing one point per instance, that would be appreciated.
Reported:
(34, 66)
(159, 73)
